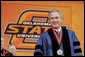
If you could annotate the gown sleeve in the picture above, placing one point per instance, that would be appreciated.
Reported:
(76, 46)
(39, 47)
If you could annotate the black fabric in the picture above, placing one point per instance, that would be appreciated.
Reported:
(2, 51)
(76, 43)
(6, 53)
(66, 42)
(55, 45)
(37, 54)
(39, 47)
(77, 50)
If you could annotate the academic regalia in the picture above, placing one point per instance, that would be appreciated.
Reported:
(5, 53)
(47, 44)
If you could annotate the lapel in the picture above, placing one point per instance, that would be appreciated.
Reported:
(55, 45)
(66, 42)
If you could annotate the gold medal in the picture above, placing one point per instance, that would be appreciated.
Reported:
(59, 52)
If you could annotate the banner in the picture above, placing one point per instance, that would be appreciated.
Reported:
(22, 24)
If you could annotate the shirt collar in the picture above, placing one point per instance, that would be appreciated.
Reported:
(58, 29)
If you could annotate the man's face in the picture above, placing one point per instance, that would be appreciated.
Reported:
(55, 19)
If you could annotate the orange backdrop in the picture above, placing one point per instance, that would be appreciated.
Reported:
(73, 12)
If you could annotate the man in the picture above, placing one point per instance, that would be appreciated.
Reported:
(3, 51)
(12, 49)
(57, 41)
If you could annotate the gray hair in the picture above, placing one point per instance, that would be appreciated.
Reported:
(61, 16)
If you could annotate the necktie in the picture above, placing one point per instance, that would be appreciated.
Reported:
(58, 34)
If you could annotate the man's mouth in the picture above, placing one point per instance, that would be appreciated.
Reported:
(55, 23)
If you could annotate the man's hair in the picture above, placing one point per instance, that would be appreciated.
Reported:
(61, 16)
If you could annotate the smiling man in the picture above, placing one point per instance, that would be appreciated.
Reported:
(57, 41)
